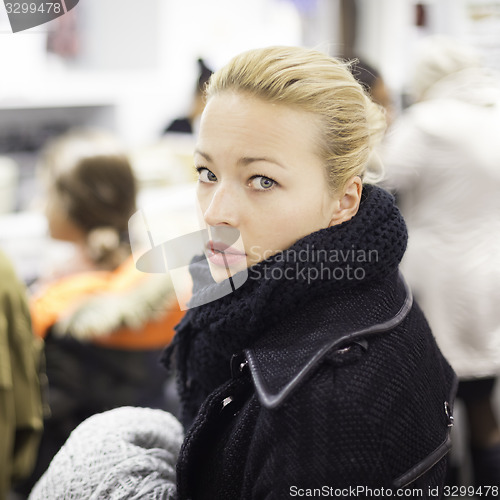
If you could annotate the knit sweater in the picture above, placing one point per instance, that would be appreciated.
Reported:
(336, 380)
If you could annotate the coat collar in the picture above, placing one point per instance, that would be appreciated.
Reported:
(281, 360)
(329, 270)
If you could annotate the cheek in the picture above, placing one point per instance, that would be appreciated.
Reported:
(58, 227)
(53, 219)
(201, 199)
(289, 222)
(62, 228)
(306, 215)
(275, 230)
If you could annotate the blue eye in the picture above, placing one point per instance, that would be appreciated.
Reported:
(262, 183)
(206, 175)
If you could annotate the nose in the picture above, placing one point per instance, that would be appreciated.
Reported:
(222, 207)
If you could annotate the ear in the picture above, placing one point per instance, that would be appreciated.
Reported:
(348, 203)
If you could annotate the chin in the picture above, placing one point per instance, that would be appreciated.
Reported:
(220, 274)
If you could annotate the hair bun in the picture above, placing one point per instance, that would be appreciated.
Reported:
(102, 241)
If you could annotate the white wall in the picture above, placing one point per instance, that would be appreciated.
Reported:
(140, 55)
(387, 34)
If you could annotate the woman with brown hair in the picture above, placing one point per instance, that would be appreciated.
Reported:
(104, 323)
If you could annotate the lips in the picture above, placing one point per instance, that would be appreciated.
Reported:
(222, 254)
(220, 247)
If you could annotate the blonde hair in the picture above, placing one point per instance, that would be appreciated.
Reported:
(351, 123)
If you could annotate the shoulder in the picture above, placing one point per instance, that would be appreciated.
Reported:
(441, 118)
(15, 318)
(378, 348)
(13, 297)
(55, 299)
(297, 345)
(382, 399)
(8, 277)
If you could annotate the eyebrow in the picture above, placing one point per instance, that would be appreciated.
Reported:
(201, 153)
(245, 160)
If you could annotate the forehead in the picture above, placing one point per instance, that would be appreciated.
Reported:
(244, 120)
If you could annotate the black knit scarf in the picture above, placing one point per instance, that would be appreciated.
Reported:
(366, 248)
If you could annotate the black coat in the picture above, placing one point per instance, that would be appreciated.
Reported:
(338, 384)
(367, 406)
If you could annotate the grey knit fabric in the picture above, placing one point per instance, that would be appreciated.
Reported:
(125, 453)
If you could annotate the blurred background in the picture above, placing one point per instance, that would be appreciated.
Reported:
(130, 66)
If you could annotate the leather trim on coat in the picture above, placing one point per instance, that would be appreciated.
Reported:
(437, 454)
(256, 356)
(424, 465)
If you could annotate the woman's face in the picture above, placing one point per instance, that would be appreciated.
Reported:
(259, 175)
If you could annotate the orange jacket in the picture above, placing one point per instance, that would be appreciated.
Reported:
(116, 293)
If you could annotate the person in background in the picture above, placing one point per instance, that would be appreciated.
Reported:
(104, 322)
(21, 371)
(442, 158)
(375, 85)
(189, 124)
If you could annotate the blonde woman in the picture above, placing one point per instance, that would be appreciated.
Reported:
(318, 373)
